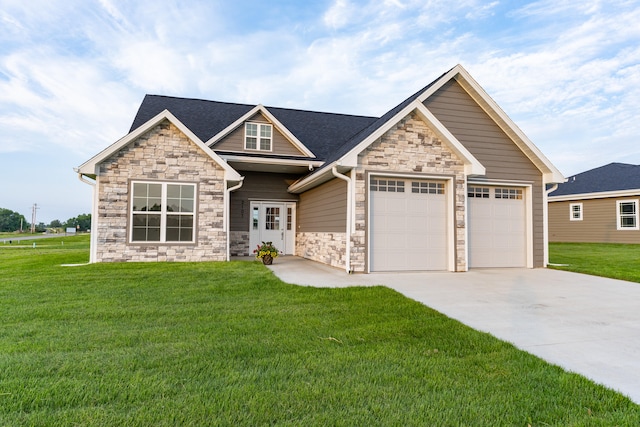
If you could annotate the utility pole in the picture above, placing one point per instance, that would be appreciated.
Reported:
(33, 217)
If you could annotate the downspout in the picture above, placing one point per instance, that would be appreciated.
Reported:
(545, 216)
(335, 173)
(94, 217)
(227, 222)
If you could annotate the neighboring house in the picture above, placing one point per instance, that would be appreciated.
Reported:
(599, 205)
(443, 181)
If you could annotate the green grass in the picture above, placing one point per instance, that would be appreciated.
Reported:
(618, 261)
(170, 344)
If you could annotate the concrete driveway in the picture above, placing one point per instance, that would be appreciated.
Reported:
(585, 324)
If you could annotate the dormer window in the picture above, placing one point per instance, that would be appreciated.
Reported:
(257, 136)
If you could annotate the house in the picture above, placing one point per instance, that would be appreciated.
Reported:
(599, 205)
(443, 181)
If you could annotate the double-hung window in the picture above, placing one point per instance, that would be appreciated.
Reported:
(258, 136)
(627, 212)
(162, 212)
(575, 212)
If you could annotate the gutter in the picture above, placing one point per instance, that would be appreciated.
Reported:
(93, 246)
(334, 171)
(545, 219)
(227, 222)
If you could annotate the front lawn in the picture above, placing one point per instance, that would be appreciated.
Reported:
(229, 344)
(618, 261)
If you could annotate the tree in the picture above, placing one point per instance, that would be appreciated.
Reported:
(81, 222)
(10, 220)
(55, 224)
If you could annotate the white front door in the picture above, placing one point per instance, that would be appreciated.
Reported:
(273, 222)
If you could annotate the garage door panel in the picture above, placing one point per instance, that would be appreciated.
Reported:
(497, 227)
(408, 229)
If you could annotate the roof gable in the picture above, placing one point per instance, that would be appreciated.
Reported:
(608, 178)
(260, 109)
(90, 167)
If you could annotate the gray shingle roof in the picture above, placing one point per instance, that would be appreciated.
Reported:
(322, 133)
(611, 177)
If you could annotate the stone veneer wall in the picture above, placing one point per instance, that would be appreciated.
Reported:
(240, 243)
(409, 147)
(328, 248)
(163, 153)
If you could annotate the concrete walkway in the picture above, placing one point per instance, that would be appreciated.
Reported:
(585, 324)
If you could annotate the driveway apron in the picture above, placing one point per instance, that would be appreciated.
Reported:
(585, 324)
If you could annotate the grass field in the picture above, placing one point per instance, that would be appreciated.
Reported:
(613, 260)
(229, 344)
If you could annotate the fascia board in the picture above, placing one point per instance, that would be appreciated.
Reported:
(550, 173)
(90, 167)
(271, 161)
(599, 195)
(312, 180)
(261, 109)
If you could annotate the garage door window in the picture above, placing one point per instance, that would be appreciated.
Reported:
(387, 185)
(425, 187)
(478, 192)
(509, 193)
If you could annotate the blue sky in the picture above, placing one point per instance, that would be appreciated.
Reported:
(73, 72)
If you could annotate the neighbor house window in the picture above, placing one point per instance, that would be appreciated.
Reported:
(627, 212)
(258, 136)
(575, 212)
(162, 212)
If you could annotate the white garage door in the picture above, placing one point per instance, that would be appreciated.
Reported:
(408, 225)
(497, 227)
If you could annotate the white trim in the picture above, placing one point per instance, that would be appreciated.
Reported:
(261, 109)
(579, 211)
(595, 195)
(91, 166)
(451, 221)
(636, 215)
(550, 173)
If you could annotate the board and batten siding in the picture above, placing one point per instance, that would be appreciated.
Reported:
(487, 142)
(280, 145)
(324, 208)
(258, 186)
(598, 225)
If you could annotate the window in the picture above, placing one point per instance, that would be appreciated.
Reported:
(162, 212)
(387, 185)
(257, 136)
(478, 192)
(575, 212)
(508, 193)
(424, 187)
(627, 211)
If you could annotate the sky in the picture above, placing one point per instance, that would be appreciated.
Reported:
(74, 72)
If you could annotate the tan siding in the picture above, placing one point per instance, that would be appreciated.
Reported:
(599, 222)
(258, 186)
(503, 160)
(235, 141)
(324, 208)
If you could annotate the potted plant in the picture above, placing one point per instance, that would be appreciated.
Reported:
(267, 252)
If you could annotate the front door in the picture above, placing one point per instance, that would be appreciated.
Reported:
(273, 222)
